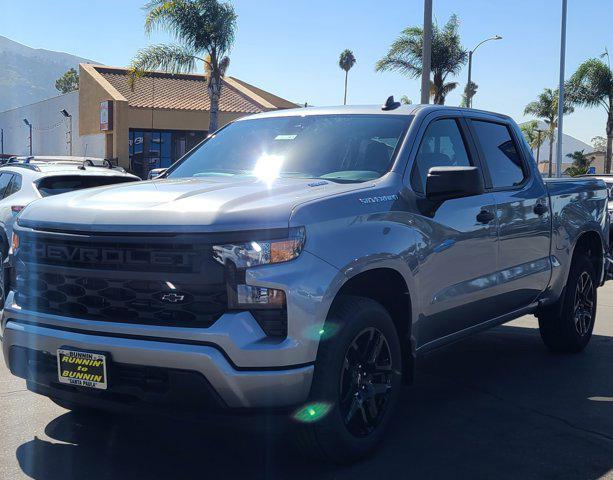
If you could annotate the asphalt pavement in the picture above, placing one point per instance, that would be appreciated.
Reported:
(497, 405)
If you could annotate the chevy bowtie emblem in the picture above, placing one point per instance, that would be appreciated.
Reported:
(173, 298)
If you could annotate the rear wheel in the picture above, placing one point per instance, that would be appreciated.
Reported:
(356, 382)
(568, 326)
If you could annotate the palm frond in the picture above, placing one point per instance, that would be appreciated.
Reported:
(405, 53)
(592, 84)
(346, 60)
(400, 65)
(203, 25)
(224, 65)
(170, 58)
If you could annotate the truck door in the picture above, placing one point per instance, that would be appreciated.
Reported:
(522, 210)
(458, 255)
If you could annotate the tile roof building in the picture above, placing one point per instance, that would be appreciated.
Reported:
(162, 117)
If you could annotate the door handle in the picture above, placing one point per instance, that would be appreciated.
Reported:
(485, 217)
(540, 209)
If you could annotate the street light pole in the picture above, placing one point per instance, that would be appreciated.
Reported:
(25, 120)
(69, 140)
(426, 54)
(470, 66)
(1, 143)
(561, 90)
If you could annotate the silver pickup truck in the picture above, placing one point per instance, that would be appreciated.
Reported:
(298, 262)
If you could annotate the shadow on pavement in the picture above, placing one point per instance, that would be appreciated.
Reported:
(497, 405)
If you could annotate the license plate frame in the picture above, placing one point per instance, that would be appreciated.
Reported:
(88, 369)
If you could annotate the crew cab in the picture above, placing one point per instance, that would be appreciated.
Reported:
(298, 262)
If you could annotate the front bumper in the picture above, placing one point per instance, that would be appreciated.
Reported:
(243, 367)
(236, 388)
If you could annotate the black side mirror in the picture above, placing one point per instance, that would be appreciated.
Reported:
(445, 183)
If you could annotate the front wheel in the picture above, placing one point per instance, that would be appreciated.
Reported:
(567, 327)
(356, 382)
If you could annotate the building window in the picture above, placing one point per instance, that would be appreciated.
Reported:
(151, 149)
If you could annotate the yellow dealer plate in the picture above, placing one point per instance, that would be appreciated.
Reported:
(83, 369)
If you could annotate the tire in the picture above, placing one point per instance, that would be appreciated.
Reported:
(347, 386)
(567, 326)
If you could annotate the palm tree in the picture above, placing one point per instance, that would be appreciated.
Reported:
(448, 56)
(581, 163)
(346, 62)
(546, 107)
(204, 31)
(592, 86)
(405, 100)
(532, 135)
(469, 91)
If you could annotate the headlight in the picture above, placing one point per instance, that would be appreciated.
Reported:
(237, 257)
(254, 253)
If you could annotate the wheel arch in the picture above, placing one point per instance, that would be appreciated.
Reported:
(590, 243)
(389, 287)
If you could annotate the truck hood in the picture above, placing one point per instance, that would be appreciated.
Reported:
(180, 205)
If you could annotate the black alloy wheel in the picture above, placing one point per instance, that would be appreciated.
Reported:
(365, 382)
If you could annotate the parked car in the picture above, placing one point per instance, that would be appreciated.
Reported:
(298, 262)
(23, 181)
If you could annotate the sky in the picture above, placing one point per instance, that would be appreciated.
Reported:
(291, 47)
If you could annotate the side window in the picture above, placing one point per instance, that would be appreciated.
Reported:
(5, 179)
(501, 154)
(441, 146)
(14, 186)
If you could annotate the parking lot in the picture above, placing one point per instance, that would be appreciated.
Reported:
(497, 405)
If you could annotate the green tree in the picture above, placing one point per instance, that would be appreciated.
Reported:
(546, 108)
(346, 63)
(599, 143)
(531, 134)
(469, 91)
(592, 86)
(204, 31)
(405, 100)
(69, 82)
(581, 163)
(448, 56)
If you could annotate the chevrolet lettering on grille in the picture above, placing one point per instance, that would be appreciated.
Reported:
(62, 253)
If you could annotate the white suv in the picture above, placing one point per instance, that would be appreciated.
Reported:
(23, 181)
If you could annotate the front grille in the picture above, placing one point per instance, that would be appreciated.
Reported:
(132, 280)
(131, 301)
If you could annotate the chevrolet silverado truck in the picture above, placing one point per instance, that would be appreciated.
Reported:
(298, 263)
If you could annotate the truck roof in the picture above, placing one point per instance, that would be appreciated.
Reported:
(364, 110)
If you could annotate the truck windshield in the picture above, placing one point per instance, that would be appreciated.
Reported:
(343, 148)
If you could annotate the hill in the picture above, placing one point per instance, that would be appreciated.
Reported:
(29, 74)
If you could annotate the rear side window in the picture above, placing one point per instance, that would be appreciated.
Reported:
(441, 146)
(501, 154)
(67, 183)
(5, 179)
(14, 186)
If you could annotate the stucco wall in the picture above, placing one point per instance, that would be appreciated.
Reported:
(50, 129)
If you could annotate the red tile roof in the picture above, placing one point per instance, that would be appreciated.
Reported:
(179, 92)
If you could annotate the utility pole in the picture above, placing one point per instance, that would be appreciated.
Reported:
(561, 90)
(69, 134)
(2, 143)
(426, 54)
(470, 67)
(25, 120)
